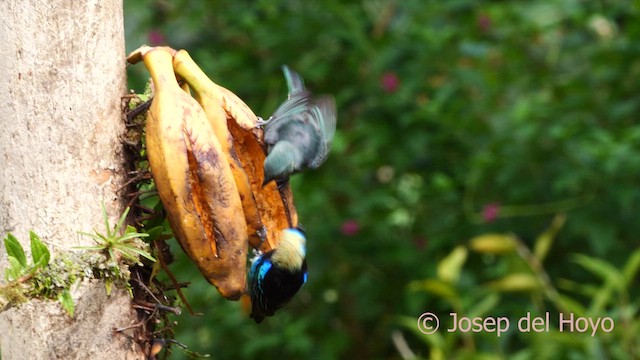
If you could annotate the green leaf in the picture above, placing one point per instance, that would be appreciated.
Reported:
(516, 282)
(105, 218)
(496, 244)
(130, 230)
(15, 269)
(599, 268)
(141, 253)
(67, 301)
(99, 238)
(96, 247)
(613, 280)
(129, 236)
(545, 240)
(126, 253)
(155, 232)
(483, 306)
(118, 226)
(570, 305)
(14, 249)
(112, 257)
(581, 288)
(434, 340)
(108, 285)
(449, 268)
(39, 251)
(631, 268)
(436, 287)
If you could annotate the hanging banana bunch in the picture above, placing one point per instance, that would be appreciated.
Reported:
(235, 125)
(206, 157)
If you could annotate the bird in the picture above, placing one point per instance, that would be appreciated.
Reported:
(299, 133)
(276, 276)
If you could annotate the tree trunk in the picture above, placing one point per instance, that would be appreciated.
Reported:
(61, 79)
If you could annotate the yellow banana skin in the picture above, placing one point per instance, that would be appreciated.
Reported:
(205, 92)
(194, 180)
(266, 209)
(237, 109)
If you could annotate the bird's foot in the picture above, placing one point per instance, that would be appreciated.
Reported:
(282, 184)
(262, 122)
(255, 255)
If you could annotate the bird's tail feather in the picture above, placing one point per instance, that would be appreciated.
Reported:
(295, 84)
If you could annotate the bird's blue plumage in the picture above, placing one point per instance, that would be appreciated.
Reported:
(264, 268)
(276, 276)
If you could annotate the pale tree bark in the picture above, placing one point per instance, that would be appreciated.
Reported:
(62, 74)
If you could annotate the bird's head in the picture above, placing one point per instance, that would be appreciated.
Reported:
(291, 250)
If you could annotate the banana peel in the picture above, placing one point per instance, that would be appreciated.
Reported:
(194, 180)
(206, 156)
(204, 92)
(275, 205)
(268, 210)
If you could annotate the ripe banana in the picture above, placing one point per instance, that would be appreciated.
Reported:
(243, 124)
(276, 206)
(204, 93)
(194, 179)
(267, 210)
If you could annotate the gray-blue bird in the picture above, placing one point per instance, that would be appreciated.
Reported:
(299, 134)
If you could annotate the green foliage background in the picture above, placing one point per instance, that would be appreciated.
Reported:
(449, 113)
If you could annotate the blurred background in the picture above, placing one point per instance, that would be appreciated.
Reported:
(486, 162)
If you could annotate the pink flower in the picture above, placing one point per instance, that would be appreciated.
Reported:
(156, 38)
(389, 82)
(420, 242)
(490, 212)
(350, 227)
(484, 23)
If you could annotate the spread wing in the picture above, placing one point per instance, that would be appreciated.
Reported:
(322, 116)
(296, 104)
